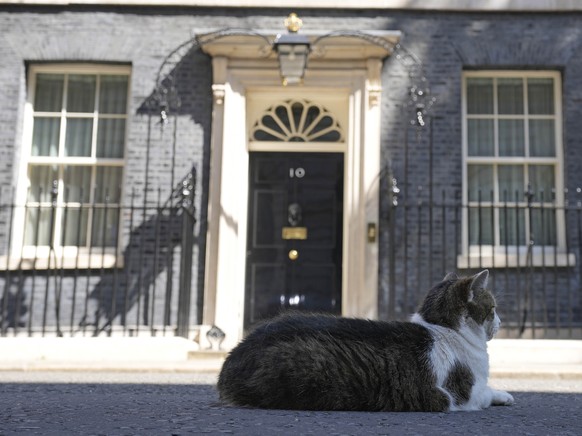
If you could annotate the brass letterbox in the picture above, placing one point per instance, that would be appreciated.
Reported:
(294, 233)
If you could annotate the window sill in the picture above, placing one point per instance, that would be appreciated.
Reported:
(515, 260)
(82, 261)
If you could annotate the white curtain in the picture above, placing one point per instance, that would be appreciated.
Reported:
(542, 138)
(510, 96)
(481, 137)
(113, 94)
(479, 96)
(511, 138)
(38, 214)
(77, 195)
(45, 136)
(78, 137)
(106, 215)
(110, 138)
(540, 96)
(81, 93)
(48, 95)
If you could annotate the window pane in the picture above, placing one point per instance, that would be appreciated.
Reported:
(74, 223)
(479, 96)
(81, 93)
(41, 179)
(507, 139)
(542, 138)
(510, 96)
(78, 139)
(77, 181)
(480, 226)
(110, 138)
(45, 136)
(540, 93)
(38, 221)
(511, 138)
(512, 226)
(480, 182)
(108, 183)
(544, 226)
(511, 184)
(541, 178)
(105, 227)
(113, 95)
(48, 95)
(480, 136)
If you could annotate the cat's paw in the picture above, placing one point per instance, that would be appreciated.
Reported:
(502, 398)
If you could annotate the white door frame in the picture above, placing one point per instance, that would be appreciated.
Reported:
(236, 81)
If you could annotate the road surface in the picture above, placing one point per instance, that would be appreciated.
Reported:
(77, 403)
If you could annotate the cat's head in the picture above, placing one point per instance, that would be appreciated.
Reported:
(462, 302)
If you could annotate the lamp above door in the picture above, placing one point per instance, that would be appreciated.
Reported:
(292, 51)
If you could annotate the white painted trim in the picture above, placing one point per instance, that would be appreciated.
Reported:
(325, 147)
(41, 260)
(471, 256)
(219, 69)
(18, 249)
(232, 219)
(355, 86)
(502, 260)
(451, 5)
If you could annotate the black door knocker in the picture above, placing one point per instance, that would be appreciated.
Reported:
(294, 216)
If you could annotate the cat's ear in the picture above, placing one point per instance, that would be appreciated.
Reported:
(450, 277)
(479, 281)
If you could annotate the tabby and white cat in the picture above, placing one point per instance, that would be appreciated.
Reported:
(436, 362)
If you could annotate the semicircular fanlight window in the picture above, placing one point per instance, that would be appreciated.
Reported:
(297, 121)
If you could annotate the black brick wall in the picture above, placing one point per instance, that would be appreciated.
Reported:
(445, 42)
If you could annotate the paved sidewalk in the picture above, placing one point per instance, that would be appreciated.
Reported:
(166, 354)
(552, 359)
(525, 358)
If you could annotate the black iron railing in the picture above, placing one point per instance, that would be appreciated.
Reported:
(129, 271)
(139, 280)
(531, 246)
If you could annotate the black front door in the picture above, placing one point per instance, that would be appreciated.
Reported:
(294, 245)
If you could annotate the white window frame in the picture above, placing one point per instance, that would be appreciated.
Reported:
(498, 255)
(39, 257)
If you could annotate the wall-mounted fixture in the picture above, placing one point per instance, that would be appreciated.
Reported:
(292, 51)
(371, 233)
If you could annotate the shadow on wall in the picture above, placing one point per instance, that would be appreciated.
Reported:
(162, 250)
(146, 291)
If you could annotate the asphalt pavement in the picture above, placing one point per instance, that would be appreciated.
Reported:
(151, 403)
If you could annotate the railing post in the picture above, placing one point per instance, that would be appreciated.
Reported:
(392, 250)
(529, 298)
(187, 194)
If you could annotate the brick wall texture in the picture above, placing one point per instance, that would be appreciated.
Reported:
(445, 42)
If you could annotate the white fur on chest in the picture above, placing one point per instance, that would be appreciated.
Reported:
(466, 347)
